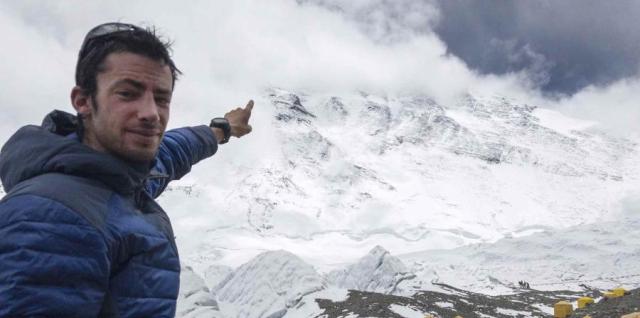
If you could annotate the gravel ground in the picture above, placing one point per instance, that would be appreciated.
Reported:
(526, 303)
(614, 307)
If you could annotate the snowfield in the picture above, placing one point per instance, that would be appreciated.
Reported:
(393, 194)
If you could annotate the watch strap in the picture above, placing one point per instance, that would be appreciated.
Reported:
(223, 124)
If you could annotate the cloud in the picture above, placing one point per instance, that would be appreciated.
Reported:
(32, 68)
(565, 45)
(386, 21)
(615, 106)
(230, 51)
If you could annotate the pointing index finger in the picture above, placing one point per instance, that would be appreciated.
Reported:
(249, 106)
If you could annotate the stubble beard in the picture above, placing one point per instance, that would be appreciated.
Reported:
(116, 144)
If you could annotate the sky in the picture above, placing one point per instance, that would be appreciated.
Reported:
(568, 45)
(575, 56)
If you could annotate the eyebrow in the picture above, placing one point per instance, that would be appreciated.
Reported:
(141, 86)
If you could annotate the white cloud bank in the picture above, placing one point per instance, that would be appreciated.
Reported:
(617, 106)
(230, 50)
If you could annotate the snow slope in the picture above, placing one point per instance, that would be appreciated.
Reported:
(478, 194)
(337, 175)
(601, 255)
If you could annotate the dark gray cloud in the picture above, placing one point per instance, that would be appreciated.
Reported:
(565, 45)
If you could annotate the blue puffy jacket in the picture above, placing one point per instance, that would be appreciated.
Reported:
(80, 232)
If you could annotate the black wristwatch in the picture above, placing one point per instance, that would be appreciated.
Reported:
(223, 124)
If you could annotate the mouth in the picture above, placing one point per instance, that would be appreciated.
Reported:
(146, 132)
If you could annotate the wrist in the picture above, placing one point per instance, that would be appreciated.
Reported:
(218, 133)
(222, 129)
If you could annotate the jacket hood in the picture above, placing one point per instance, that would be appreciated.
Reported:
(53, 147)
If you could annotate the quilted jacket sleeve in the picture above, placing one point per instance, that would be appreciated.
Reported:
(53, 263)
(180, 149)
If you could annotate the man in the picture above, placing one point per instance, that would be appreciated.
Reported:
(80, 232)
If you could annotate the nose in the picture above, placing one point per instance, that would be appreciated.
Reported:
(148, 109)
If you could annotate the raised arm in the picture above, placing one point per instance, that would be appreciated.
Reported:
(182, 148)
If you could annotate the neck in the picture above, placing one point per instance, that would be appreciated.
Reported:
(89, 139)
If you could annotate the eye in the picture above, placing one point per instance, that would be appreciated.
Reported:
(126, 94)
(162, 101)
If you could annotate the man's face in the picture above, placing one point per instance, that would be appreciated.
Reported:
(130, 111)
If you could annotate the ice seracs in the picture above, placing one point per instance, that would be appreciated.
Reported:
(195, 300)
(214, 274)
(377, 271)
(267, 286)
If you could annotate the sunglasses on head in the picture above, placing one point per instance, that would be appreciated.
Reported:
(104, 30)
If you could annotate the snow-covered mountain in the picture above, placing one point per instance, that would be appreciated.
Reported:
(340, 175)
(409, 174)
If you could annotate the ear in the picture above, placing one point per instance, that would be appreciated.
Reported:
(80, 101)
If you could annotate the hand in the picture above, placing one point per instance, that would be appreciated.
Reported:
(239, 120)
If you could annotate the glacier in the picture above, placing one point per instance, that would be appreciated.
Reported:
(478, 194)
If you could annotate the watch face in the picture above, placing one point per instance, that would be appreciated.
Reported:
(220, 122)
